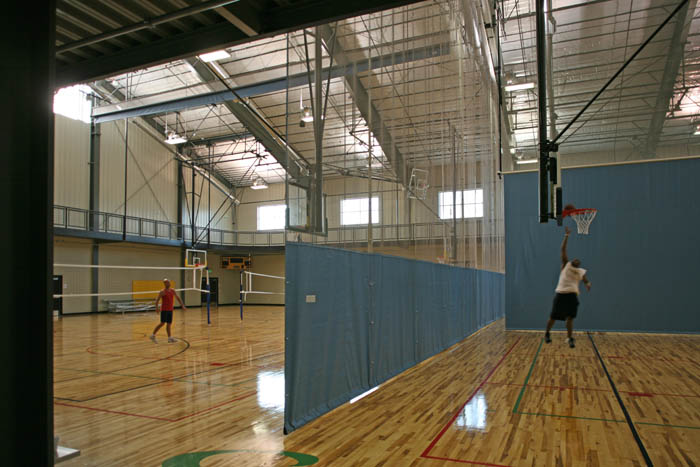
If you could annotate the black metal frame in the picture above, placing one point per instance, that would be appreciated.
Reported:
(547, 164)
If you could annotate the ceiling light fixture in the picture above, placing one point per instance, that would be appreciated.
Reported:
(174, 138)
(213, 56)
(171, 136)
(697, 130)
(306, 115)
(527, 161)
(259, 184)
(519, 87)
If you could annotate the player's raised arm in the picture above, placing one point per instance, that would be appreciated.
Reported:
(564, 258)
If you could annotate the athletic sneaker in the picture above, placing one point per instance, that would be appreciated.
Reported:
(153, 338)
(171, 340)
(570, 340)
(547, 339)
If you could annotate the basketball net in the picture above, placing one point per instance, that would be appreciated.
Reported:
(582, 217)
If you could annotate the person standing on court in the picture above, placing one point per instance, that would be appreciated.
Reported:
(166, 312)
(565, 303)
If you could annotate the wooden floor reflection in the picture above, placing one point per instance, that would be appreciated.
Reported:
(216, 398)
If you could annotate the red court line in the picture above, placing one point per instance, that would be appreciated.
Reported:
(564, 388)
(454, 417)
(113, 411)
(463, 462)
(116, 412)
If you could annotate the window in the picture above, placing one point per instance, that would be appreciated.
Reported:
(74, 102)
(472, 200)
(356, 211)
(271, 217)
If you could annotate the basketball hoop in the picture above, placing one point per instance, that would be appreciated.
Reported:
(582, 217)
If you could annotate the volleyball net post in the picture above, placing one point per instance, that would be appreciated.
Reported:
(246, 286)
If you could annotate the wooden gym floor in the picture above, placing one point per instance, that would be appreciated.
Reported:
(499, 398)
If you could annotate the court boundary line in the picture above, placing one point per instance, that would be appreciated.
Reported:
(543, 414)
(195, 373)
(153, 360)
(579, 388)
(645, 454)
(425, 453)
(170, 420)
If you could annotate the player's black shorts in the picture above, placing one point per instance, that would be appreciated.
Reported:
(166, 316)
(565, 306)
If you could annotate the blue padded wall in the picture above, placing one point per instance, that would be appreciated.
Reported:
(374, 317)
(642, 252)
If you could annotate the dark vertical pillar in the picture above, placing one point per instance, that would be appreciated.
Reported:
(180, 194)
(95, 276)
(26, 199)
(542, 111)
(95, 133)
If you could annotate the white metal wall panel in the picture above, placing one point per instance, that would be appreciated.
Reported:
(71, 163)
(74, 251)
(151, 175)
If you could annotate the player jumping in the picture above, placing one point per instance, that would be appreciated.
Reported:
(565, 303)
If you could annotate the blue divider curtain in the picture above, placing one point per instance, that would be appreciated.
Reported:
(642, 252)
(354, 320)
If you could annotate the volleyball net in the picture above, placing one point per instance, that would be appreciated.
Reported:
(121, 288)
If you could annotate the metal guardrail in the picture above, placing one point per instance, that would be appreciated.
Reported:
(95, 221)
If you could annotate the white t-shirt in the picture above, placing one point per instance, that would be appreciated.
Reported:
(569, 279)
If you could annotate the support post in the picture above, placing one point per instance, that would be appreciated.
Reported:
(555, 193)
(453, 255)
(542, 114)
(126, 165)
(240, 295)
(208, 300)
(26, 179)
(95, 273)
(318, 134)
(95, 133)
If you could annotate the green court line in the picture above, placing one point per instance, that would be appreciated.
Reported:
(571, 416)
(529, 373)
(668, 426)
(164, 380)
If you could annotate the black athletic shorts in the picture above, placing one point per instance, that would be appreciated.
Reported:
(166, 316)
(565, 306)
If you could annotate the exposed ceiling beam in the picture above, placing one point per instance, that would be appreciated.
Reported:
(278, 84)
(367, 109)
(673, 62)
(148, 23)
(106, 89)
(272, 21)
(274, 143)
(242, 16)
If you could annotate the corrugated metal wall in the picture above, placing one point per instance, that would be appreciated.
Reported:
(208, 203)
(71, 163)
(151, 174)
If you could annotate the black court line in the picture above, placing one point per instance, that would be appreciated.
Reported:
(645, 454)
(195, 373)
(133, 366)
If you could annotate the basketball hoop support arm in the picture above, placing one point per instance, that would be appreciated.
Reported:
(542, 115)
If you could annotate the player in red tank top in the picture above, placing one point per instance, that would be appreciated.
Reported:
(166, 313)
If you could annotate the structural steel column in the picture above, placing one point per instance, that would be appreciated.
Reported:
(26, 202)
(95, 133)
(542, 113)
(317, 200)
